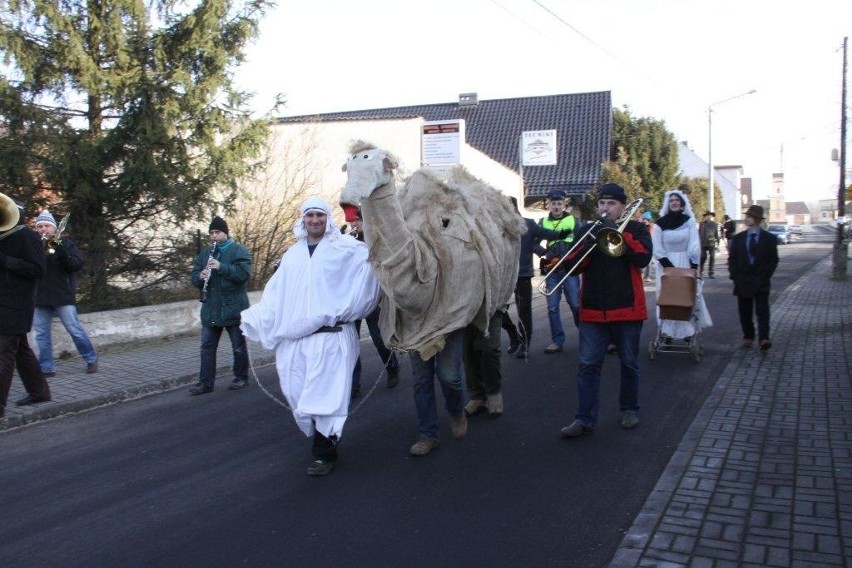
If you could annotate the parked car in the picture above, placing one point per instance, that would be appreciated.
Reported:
(781, 232)
(796, 230)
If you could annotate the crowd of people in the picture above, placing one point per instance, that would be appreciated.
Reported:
(311, 309)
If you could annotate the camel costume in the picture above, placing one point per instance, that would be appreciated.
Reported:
(334, 286)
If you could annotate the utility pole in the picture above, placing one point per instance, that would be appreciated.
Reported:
(840, 257)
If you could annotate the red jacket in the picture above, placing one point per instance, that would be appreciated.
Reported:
(611, 289)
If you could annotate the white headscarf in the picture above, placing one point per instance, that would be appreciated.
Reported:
(316, 203)
(687, 208)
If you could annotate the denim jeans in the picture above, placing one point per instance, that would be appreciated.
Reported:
(68, 316)
(594, 338)
(571, 291)
(447, 367)
(210, 343)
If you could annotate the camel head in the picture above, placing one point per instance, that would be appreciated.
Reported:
(367, 169)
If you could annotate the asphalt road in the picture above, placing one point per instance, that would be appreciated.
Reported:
(220, 480)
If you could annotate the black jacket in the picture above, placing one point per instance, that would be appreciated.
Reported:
(59, 285)
(750, 279)
(21, 265)
(534, 235)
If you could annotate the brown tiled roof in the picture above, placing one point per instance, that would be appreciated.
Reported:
(583, 124)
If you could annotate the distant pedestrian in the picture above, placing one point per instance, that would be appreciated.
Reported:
(612, 307)
(56, 295)
(222, 272)
(708, 234)
(729, 229)
(21, 265)
(306, 315)
(751, 264)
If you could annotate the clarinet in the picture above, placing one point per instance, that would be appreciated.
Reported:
(207, 280)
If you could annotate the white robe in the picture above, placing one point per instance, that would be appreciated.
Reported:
(682, 247)
(332, 286)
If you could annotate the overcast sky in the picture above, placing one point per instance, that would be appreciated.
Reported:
(666, 59)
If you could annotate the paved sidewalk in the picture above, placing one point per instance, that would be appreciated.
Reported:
(763, 476)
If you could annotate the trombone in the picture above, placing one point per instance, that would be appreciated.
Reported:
(52, 244)
(610, 240)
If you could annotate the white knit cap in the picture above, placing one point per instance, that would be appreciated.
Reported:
(45, 217)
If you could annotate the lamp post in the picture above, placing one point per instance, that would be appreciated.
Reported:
(710, 145)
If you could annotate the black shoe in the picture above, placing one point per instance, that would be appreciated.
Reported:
(393, 377)
(30, 399)
(200, 388)
(320, 467)
(48, 375)
(237, 384)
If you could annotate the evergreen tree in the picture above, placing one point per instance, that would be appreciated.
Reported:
(124, 114)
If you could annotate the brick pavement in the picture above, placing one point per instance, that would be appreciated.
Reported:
(763, 477)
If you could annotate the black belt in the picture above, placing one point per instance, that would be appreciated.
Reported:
(330, 329)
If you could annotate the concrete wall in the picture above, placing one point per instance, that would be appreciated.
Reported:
(119, 327)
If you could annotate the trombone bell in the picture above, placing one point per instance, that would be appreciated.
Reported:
(610, 241)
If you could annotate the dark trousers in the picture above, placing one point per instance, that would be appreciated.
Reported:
(758, 305)
(708, 254)
(324, 449)
(481, 356)
(210, 343)
(523, 302)
(16, 351)
(509, 327)
(389, 359)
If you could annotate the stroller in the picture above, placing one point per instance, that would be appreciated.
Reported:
(679, 290)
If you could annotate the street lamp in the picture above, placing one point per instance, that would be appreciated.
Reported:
(710, 145)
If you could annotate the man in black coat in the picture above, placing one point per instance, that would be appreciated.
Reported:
(752, 261)
(56, 295)
(21, 265)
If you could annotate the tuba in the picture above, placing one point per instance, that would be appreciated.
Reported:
(610, 241)
(9, 213)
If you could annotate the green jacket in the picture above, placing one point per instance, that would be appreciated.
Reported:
(226, 291)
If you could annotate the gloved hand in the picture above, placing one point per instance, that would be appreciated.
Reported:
(665, 262)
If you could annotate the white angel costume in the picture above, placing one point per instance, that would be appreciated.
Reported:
(681, 246)
(334, 286)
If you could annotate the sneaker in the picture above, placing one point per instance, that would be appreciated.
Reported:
(320, 467)
(747, 343)
(629, 419)
(552, 348)
(575, 430)
(765, 344)
(495, 405)
(92, 368)
(475, 406)
(423, 446)
(393, 377)
(458, 424)
(200, 388)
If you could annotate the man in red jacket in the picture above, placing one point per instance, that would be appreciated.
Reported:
(612, 309)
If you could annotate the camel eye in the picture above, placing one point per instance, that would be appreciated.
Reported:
(366, 156)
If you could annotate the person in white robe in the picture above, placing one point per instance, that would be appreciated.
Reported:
(306, 315)
(676, 243)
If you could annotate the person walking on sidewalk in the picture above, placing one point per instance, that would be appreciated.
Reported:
(56, 295)
(306, 315)
(612, 308)
(729, 229)
(222, 272)
(708, 234)
(21, 265)
(751, 264)
(559, 219)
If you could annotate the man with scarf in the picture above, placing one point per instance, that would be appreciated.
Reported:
(222, 272)
(306, 315)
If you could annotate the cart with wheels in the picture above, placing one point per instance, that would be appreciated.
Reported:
(678, 301)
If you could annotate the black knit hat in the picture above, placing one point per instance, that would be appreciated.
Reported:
(612, 191)
(218, 224)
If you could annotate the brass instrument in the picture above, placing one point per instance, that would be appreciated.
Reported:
(610, 240)
(9, 216)
(207, 280)
(52, 244)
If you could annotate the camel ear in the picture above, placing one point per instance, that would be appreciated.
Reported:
(389, 166)
(343, 169)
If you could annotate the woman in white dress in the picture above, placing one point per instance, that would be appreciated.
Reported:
(676, 243)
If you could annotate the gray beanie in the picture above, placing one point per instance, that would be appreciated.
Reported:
(45, 217)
